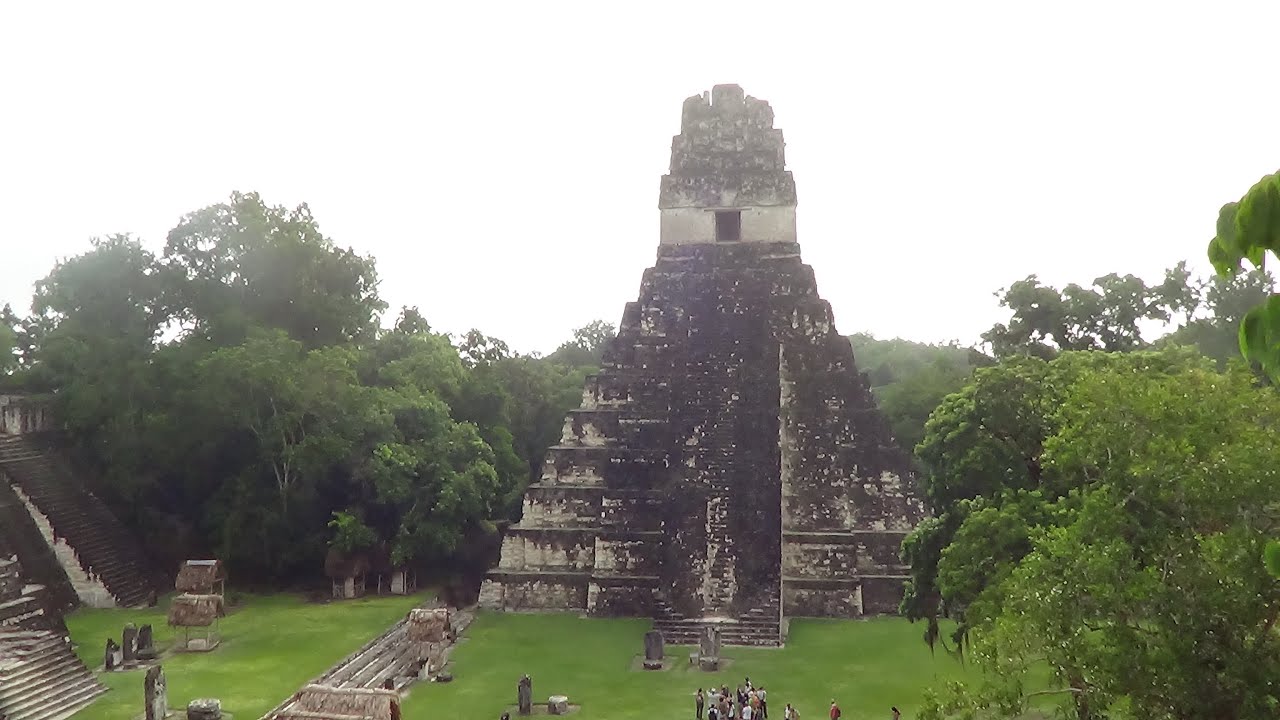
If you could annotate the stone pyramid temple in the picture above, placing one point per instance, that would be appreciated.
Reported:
(728, 465)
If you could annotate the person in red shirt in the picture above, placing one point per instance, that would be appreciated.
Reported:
(835, 710)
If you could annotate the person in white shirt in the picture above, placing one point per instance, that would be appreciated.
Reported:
(746, 712)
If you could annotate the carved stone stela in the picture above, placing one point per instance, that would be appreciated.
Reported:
(728, 464)
(653, 650)
(524, 695)
(155, 693)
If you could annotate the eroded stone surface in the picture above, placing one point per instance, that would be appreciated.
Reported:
(728, 464)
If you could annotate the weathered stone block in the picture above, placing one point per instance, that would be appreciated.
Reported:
(204, 709)
(653, 646)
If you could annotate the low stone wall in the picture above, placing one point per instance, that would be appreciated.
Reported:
(534, 591)
(630, 596)
(548, 549)
(20, 415)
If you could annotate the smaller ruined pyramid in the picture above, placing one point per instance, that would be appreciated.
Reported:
(728, 465)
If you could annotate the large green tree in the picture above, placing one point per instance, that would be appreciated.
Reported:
(985, 478)
(235, 396)
(586, 346)
(1225, 301)
(1108, 315)
(244, 264)
(1139, 588)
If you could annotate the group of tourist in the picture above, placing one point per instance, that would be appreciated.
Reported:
(749, 703)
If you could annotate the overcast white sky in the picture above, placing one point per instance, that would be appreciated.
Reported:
(501, 161)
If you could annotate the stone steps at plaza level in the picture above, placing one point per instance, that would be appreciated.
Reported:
(758, 627)
(390, 655)
(41, 678)
(102, 545)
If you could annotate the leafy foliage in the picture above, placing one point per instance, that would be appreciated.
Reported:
(586, 347)
(1137, 582)
(986, 480)
(244, 264)
(1106, 316)
(236, 396)
(910, 379)
(1249, 230)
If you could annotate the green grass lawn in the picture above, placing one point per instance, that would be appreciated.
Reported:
(271, 645)
(868, 666)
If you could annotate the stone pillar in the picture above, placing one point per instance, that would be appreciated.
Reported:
(146, 643)
(155, 694)
(653, 645)
(653, 650)
(130, 643)
(524, 695)
(709, 649)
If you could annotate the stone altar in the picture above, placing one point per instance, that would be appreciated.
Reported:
(558, 705)
(204, 709)
(728, 464)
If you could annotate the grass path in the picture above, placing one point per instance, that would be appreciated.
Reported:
(271, 645)
(868, 666)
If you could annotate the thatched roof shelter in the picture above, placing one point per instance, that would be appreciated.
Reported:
(320, 702)
(200, 577)
(339, 564)
(195, 610)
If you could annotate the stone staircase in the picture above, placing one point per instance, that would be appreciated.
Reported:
(41, 678)
(20, 537)
(390, 655)
(25, 605)
(758, 627)
(102, 546)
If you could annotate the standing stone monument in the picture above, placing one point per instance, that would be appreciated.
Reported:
(155, 693)
(728, 464)
(709, 649)
(524, 695)
(653, 650)
(112, 657)
(146, 643)
(129, 641)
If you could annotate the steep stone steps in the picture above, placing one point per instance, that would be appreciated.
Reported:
(20, 536)
(102, 546)
(41, 678)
